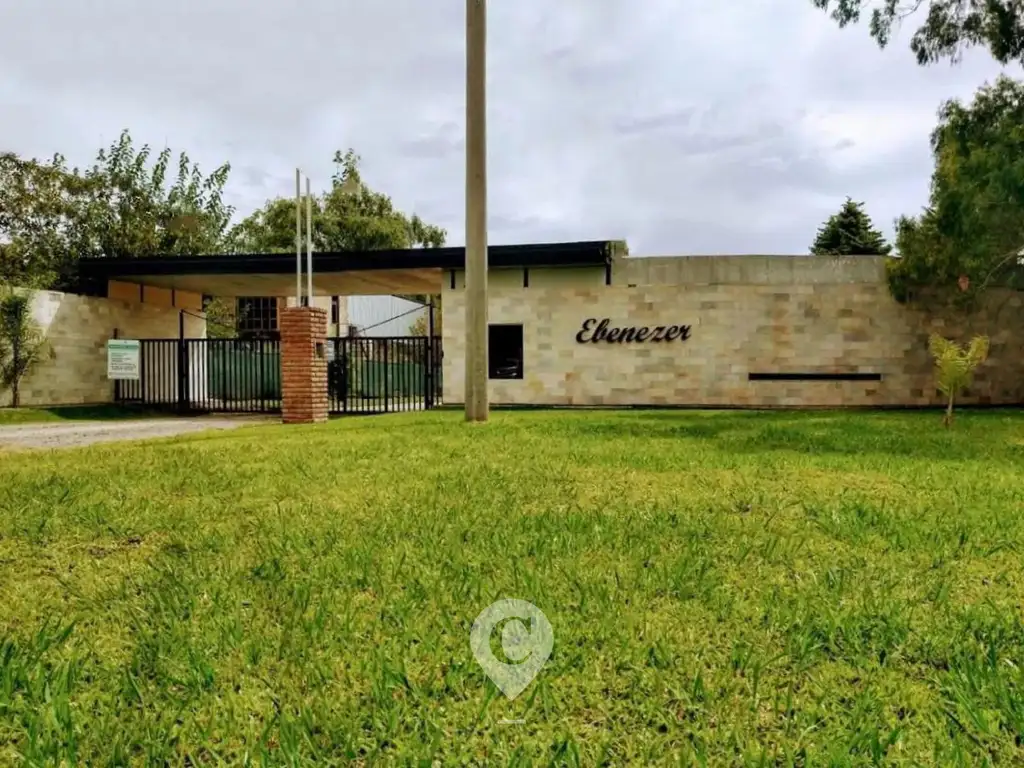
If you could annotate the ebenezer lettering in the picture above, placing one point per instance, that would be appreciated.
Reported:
(594, 331)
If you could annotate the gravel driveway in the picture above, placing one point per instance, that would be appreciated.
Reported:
(74, 434)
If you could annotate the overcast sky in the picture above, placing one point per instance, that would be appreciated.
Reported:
(682, 126)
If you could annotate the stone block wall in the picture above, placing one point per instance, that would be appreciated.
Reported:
(77, 329)
(747, 315)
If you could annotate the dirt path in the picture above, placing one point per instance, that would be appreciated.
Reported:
(74, 434)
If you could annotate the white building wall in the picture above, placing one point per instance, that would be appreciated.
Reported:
(384, 315)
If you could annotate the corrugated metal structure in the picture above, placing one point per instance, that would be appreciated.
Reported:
(383, 315)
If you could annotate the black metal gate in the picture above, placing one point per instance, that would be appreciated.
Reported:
(206, 376)
(364, 375)
(383, 375)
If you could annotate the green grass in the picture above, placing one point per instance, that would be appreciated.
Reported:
(14, 416)
(725, 589)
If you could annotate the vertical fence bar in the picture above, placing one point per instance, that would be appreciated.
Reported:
(385, 377)
(143, 370)
(171, 359)
(407, 373)
(182, 375)
(167, 372)
(358, 367)
(203, 349)
(366, 361)
(225, 375)
(428, 394)
(360, 373)
(346, 374)
(396, 386)
(410, 375)
(261, 382)
(157, 364)
(249, 357)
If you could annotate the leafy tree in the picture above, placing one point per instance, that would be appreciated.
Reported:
(954, 367)
(124, 205)
(223, 317)
(849, 233)
(347, 217)
(40, 221)
(131, 210)
(418, 327)
(971, 235)
(949, 27)
(22, 344)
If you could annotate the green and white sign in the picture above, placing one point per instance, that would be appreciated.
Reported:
(124, 358)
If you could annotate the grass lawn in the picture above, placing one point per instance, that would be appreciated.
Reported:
(15, 416)
(724, 589)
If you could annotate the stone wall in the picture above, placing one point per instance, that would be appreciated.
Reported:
(77, 329)
(746, 315)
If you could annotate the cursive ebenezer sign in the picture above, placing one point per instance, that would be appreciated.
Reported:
(595, 331)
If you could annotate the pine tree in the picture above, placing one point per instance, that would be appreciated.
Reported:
(849, 233)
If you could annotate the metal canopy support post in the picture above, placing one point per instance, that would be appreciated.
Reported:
(183, 365)
(429, 384)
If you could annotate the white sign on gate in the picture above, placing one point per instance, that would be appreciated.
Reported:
(124, 359)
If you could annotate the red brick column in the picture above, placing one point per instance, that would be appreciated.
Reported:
(303, 365)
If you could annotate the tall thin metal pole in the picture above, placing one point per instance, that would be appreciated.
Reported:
(309, 244)
(476, 211)
(431, 383)
(298, 238)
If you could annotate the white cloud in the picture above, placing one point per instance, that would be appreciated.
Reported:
(695, 126)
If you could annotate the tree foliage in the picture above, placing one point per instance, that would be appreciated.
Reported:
(418, 327)
(955, 366)
(971, 234)
(125, 204)
(40, 221)
(849, 233)
(349, 216)
(949, 26)
(22, 343)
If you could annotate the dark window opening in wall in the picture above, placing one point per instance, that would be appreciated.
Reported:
(256, 317)
(505, 352)
(811, 376)
(335, 310)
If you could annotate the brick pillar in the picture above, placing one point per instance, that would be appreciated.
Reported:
(303, 365)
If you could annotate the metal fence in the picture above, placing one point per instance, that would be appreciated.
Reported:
(383, 375)
(364, 375)
(207, 375)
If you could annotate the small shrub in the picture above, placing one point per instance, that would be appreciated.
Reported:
(954, 367)
(22, 344)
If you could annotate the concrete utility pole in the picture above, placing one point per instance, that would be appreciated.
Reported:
(476, 211)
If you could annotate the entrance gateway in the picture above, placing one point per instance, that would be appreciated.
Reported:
(364, 375)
